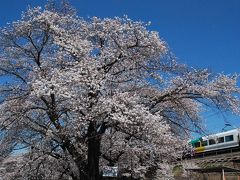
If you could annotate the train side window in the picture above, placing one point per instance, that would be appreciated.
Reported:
(204, 143)
(212, 141)
(196, 144)
(221, 140)
(229, 138)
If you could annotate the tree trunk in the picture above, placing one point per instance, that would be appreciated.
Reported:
(93, 152)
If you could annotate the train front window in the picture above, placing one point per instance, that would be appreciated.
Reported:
(229, 138)
(212, 141)
(221, 140)
(196, 144)
(204, 143)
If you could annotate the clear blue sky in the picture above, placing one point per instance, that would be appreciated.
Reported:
(201, 33)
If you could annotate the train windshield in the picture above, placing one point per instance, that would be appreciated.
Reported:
(196, 144)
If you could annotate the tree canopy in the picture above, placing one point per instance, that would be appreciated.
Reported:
(83, 94)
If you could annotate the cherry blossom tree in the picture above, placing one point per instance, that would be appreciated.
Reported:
(83, 94)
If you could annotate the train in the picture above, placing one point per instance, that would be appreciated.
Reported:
(213, 143)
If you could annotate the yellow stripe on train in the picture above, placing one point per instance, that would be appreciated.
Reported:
(200, 149)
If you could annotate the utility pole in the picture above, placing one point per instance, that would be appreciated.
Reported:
(223, 175)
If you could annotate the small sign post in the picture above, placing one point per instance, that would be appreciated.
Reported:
(109, 171)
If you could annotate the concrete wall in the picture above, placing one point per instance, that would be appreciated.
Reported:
(212, 176)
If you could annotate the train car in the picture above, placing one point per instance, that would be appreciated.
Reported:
(216, 142)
